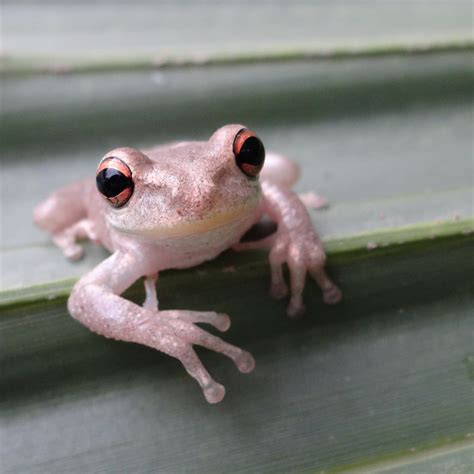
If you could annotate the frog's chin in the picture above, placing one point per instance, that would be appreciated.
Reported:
(207, 224)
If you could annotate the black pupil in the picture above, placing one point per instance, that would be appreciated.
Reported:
(252, 152)
(111, 182)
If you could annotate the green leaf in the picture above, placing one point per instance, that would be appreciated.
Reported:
(386, 372)
(64, 37)
(381, 383)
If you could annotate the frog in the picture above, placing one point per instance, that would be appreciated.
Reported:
(176, 206)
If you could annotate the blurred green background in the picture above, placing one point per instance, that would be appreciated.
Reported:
(374, 100)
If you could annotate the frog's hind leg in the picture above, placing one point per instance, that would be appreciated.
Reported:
(280, 170)
(313, 201)
(64, 215)
(67, 239)
(283, 172)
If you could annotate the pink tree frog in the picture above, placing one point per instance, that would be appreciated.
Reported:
(176, 206)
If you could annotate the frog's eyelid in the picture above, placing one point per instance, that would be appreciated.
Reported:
(115, 163)
(240, 138)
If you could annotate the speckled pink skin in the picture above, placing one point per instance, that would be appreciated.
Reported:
(190, 203)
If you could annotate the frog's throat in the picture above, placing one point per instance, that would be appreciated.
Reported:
(201, 226)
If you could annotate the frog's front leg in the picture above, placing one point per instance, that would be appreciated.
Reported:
(296, 243)
(151, 298)
(96, 303)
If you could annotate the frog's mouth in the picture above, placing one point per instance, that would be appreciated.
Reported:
(207, 224)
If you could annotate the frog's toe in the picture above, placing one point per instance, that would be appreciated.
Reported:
(332, 295)
(245, 362)
(73, 252)
(222, 322)
(214, 392)
(295, 309)
(279, 290)
(314, 201)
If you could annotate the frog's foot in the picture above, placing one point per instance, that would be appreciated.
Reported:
(265, 243)
(174, 332)
(183, 325)
(331, 294)
(220, 321)
(71, 250)
(302, 252)
(66, 240)
(313, 201)
(95, 302)
(279, 288)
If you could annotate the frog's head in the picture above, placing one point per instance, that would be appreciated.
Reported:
(184, 188)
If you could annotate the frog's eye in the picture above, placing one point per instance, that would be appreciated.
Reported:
(249, 153)
(114, 181)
